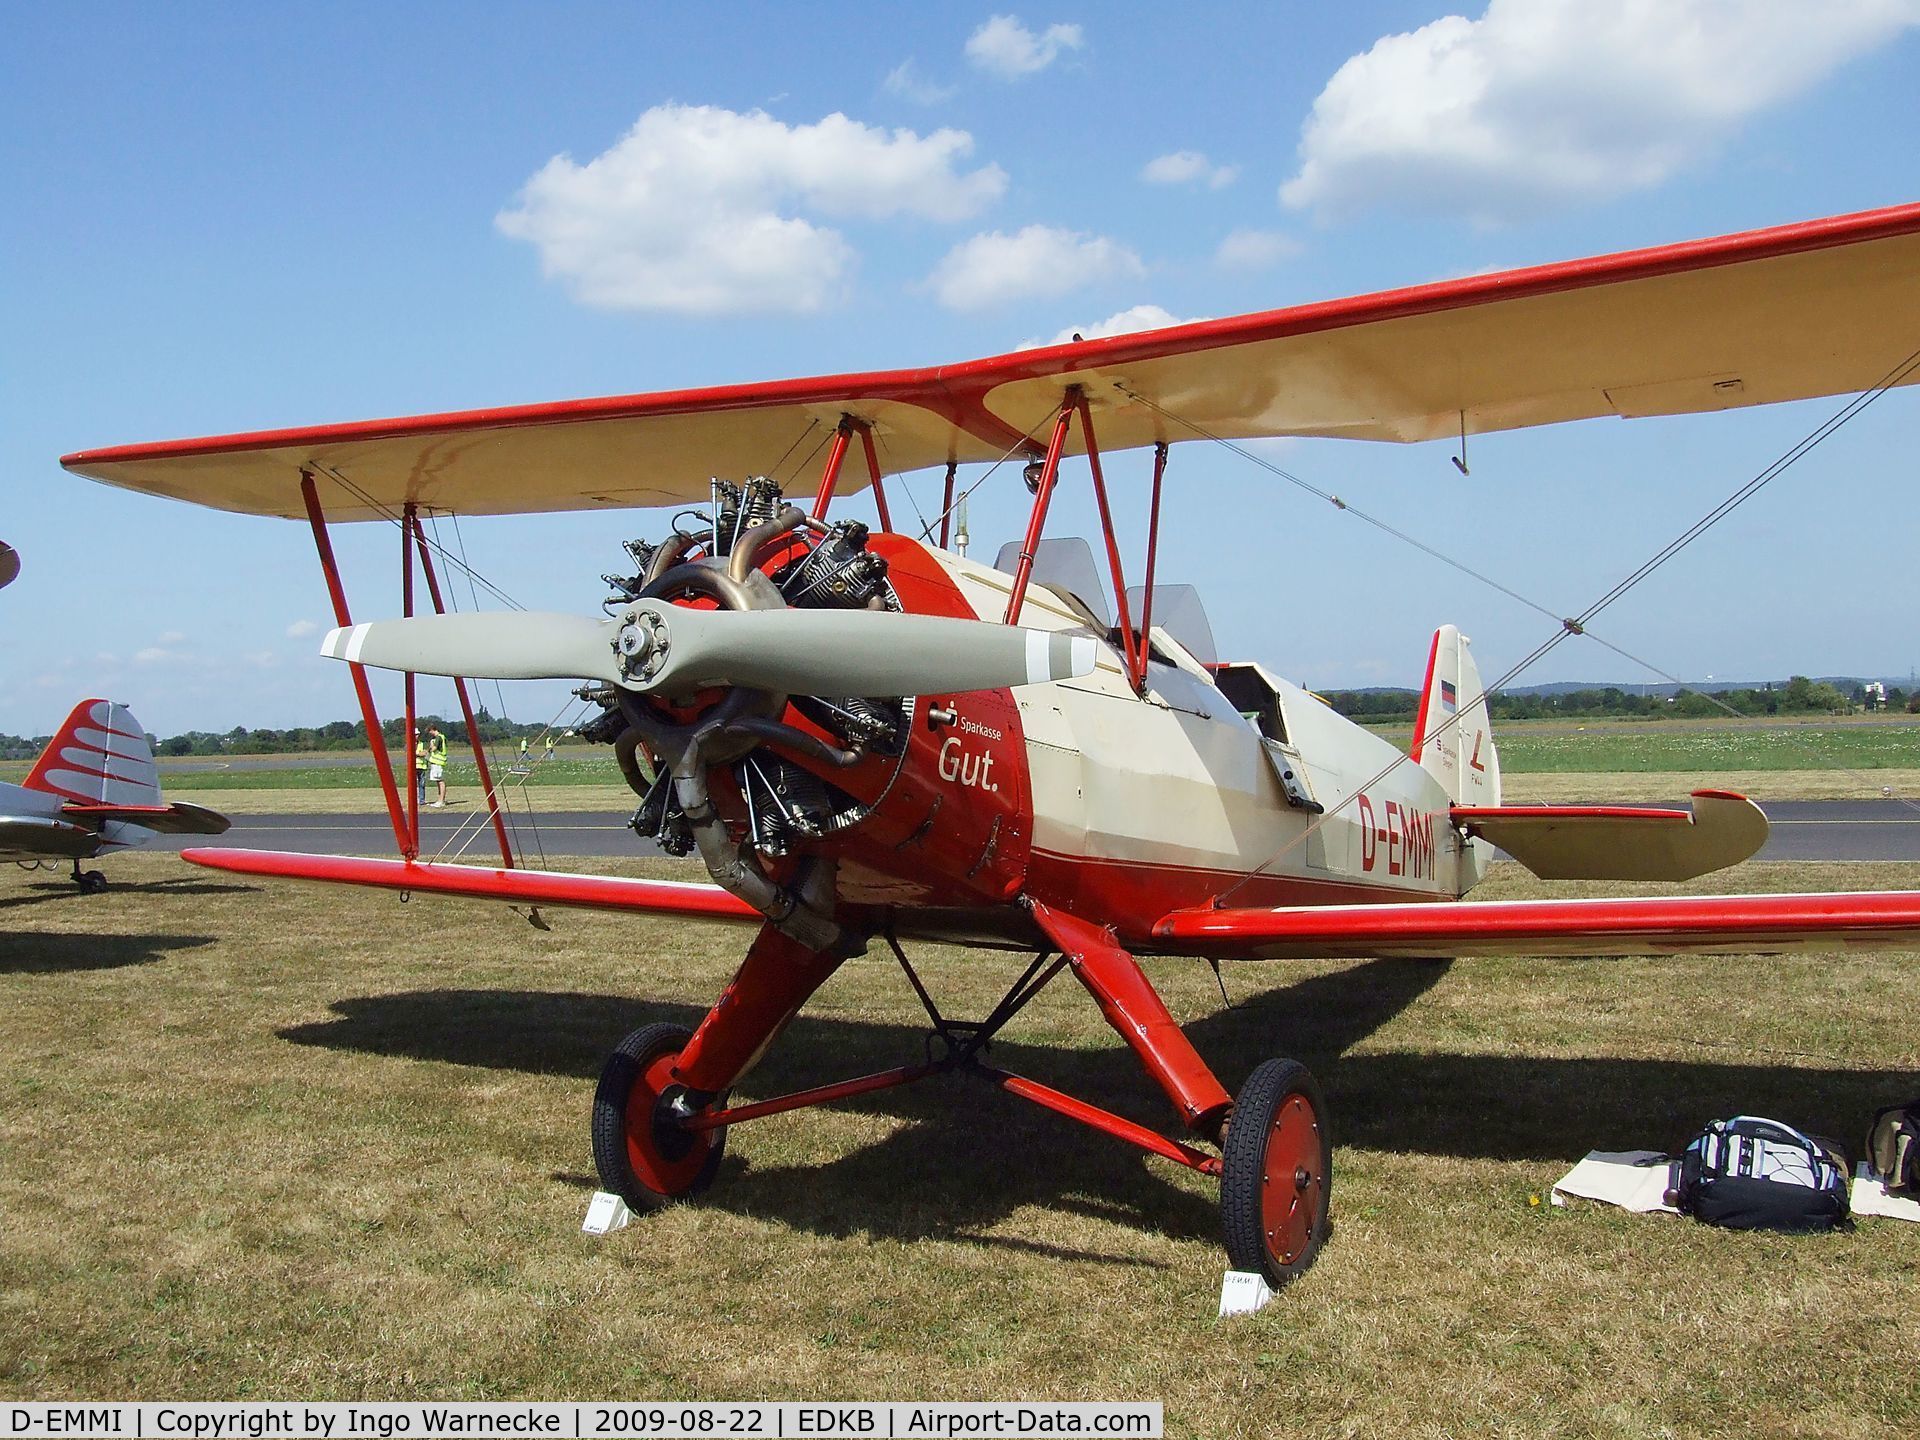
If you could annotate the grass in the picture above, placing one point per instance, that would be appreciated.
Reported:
(1700, 746)
(264, 1141)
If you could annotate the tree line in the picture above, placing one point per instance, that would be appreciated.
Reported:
(338, 735)
(1799, 696)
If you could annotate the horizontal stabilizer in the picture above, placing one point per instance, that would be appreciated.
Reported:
(1618, 842)
(527, 887)
(1732, 924)
(179, 818)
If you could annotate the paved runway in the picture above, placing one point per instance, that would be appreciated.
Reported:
(1802, 830)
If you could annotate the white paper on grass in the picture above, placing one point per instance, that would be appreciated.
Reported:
(1870, 1197)
(1243, 1292)
(606, 1212)
(1617, 1177)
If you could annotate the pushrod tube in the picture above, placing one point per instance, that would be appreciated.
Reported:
(1037, 521)
(376, 738)
(466, 709)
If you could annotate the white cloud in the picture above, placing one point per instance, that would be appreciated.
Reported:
(1036, 262)
(1183, 167)
(691, 210)
(159, 655)
(1005, 47)
(1255, 249)
(1544, 103)
(172, 637)
(906, 81)
(1126, 322)
(301, 629)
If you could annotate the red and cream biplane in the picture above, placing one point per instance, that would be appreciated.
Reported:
(868, 738)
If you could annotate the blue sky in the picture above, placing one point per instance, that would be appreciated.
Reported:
(228, 217)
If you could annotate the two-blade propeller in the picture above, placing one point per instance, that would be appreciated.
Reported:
(656, 646)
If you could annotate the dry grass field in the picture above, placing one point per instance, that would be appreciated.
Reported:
(268, 1142)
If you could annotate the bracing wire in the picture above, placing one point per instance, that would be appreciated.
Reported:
(1024, 442)
(1576, 624)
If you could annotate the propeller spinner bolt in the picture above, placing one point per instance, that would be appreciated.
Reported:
(642, 643)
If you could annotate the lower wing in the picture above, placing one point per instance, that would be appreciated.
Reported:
(1737, 924)
(527, 887)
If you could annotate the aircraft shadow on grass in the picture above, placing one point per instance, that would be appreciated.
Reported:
(971, 1154)
(46, 891)
(41, 954)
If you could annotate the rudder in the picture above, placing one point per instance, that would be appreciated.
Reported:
(1452, 730)
(100, 756)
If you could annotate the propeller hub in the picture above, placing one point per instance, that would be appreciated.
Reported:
(642, 644)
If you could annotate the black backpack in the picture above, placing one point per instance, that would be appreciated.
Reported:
(1893, 1147)
(1753, 1174)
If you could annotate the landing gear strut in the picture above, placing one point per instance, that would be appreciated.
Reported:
(91, 882)
(661, 1114)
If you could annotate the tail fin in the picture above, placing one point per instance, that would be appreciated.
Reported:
(99, 757)
(1452, 731)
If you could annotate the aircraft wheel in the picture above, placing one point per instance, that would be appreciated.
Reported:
(1276, 1173)
(644, 1162)
(92, 882)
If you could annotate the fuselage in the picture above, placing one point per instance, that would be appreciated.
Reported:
(32, 827)
(1120, 806)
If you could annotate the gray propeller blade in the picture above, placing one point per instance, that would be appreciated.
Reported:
(495, 645)
(657, 646)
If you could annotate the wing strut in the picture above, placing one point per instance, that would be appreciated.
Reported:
(405, 816)
(376, 737)
(1042, 497)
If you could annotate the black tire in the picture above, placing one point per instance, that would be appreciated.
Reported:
(92, 882)
(1275, 1220)
(641, 1161)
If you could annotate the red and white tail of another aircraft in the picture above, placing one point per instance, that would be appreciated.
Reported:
(94, 788)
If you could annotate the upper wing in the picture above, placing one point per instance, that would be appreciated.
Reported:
(1739, 924)
(1817, 308)
(530, 887)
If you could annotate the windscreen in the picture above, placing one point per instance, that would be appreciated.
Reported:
(1065, 564)
(1178, 611)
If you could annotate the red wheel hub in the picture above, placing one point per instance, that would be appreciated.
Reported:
(652, 1167)
(1293, 1182)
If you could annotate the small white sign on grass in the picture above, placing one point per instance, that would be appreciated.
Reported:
(606, 1213)
(1243, 1292)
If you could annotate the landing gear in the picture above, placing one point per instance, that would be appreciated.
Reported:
(642, 1155)
(91, 882)
(1276, 1172)
(661, 1114)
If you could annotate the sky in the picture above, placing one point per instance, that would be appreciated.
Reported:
(228, 217)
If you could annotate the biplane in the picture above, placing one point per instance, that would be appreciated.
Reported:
(93, 789)
(872, 740)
